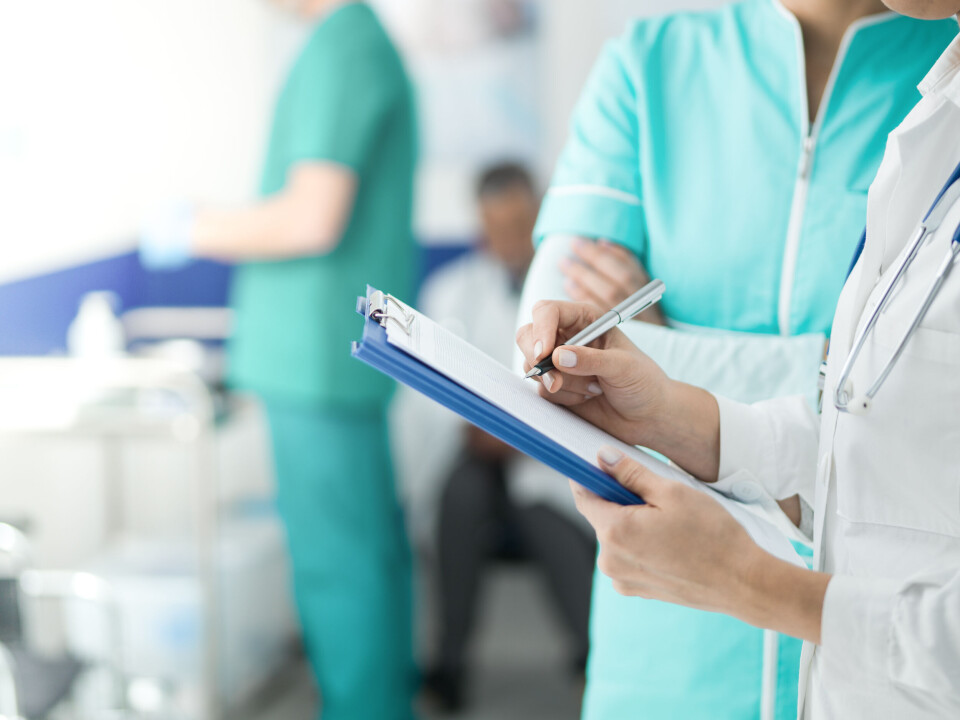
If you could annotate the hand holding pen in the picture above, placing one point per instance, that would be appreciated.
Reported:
(611, 383)
(644, 298)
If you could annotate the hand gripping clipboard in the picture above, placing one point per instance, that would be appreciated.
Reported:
(764, 520)
(375, 350)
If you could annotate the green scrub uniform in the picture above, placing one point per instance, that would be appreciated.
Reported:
(348, 101)
(692, 146)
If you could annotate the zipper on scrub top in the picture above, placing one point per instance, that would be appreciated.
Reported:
(791, 250)
(808, 149)
(806, 158)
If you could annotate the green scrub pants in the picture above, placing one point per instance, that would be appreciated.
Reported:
(350, 556)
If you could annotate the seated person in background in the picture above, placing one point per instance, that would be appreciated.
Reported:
(488, 500)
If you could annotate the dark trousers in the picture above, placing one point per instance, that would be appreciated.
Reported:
(479, 523)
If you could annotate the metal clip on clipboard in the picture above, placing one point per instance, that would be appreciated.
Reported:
(377, 305)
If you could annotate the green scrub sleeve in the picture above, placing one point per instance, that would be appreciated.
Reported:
(596, 189)
(339, 109)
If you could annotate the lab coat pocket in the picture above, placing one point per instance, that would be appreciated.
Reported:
(899, 464)
(926, 343)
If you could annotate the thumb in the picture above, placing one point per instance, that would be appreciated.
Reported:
(634, 476)
(608, 363)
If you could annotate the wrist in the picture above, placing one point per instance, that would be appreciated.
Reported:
(662, 423)
(779, 596)
(686, 428)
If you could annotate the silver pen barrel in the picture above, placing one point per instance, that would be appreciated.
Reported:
(629, 308)
(637, 303)
(632, 306)
(591, 332)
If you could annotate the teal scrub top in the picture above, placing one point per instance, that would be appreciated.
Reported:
(692, 146)
(347, 100)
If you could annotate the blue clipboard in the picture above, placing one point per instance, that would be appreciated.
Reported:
(374, 350)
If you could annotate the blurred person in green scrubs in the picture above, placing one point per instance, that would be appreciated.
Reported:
(727, 153)
(336, 214)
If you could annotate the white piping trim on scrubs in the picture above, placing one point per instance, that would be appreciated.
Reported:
(798, 208)
(771, 665)
(600, 190)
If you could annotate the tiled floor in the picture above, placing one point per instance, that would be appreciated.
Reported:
(521, 667)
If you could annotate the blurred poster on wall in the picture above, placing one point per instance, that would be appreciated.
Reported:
(476, 66)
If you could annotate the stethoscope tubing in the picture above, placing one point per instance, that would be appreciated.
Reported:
(844, 396)
(931, 295)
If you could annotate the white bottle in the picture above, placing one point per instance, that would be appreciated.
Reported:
(96, 332)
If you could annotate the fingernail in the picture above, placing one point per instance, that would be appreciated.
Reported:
(547, 381)
(538, 350)
(610, 455)
(595, 389)
(567, 358)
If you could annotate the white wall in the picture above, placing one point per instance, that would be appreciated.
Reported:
(110, 107)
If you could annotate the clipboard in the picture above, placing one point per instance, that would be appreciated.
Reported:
(375, 349)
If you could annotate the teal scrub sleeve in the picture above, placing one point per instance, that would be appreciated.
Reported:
(339, 109)
(596, 189)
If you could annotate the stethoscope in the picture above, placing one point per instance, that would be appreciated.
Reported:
(846, 399)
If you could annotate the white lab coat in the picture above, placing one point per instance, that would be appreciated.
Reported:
(473, 297)
(886, 485)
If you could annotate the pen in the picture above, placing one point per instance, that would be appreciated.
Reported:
(646, 296)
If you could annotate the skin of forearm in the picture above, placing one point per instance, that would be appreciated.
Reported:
(274, 229)
(687, 430)
(307, 217)
(779, 596)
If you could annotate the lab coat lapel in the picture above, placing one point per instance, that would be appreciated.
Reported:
(891, 225)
